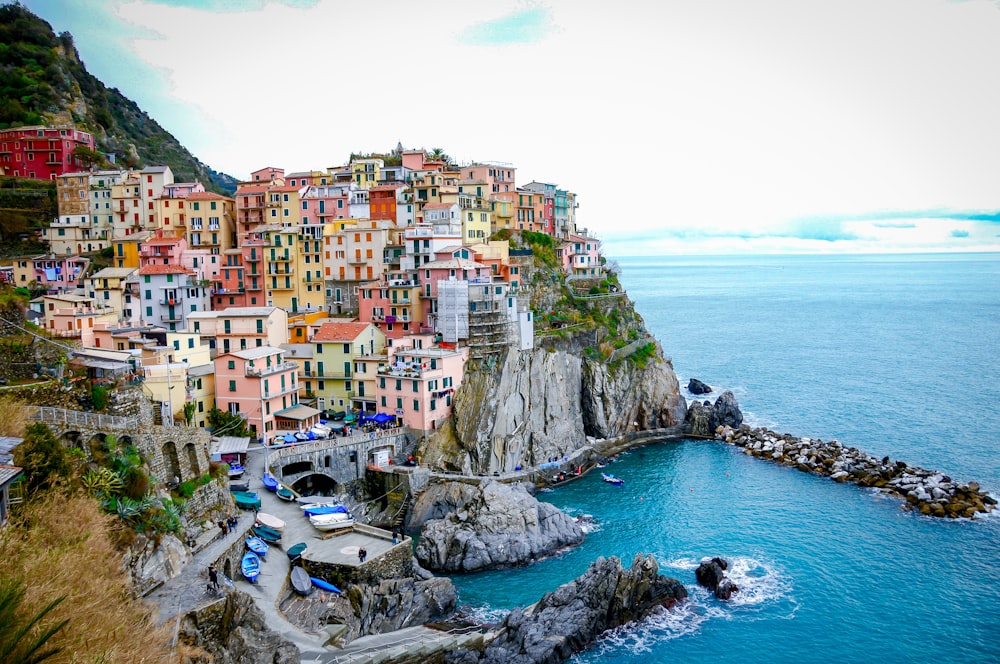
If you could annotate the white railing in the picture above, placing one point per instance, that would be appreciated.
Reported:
(79, 417)
(442, 639)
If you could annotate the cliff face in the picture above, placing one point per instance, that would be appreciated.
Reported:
(542, 404)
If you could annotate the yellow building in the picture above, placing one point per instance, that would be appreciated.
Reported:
(366, 173)
(211, 222)
(341, 353)
(126, 250)
(201, 392)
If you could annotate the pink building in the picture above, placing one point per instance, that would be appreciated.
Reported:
(260, 385)
(393, 304)
(162, 249)
(581, 256)
(419, 385)
(497, 177)
(56, 273)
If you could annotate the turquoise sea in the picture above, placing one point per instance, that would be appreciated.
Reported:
(896, 355)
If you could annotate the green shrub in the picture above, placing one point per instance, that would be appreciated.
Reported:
(99, 397)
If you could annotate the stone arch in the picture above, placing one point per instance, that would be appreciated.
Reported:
(97, 447)
(72, 439)
(191, 452)
(227, 568)
(170, 460)
(296, 467)
(316, 484)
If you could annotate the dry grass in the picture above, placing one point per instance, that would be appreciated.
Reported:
(59, 545)
(12, 421)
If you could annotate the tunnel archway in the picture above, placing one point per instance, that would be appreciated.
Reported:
(316, 484)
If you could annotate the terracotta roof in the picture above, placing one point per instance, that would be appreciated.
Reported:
(165, 269)
(206, 195)
(436, 206)
(339, 331)
(163, 240)
(288, 187)
(256, 189)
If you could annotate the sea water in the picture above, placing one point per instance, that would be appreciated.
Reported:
(896, 355)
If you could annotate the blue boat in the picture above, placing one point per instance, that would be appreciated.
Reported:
(320, 583)
(257, 545)
(250, 566)
(611, 479)
(314, 510)
(300, 581)
(236, 470)
(270, 482)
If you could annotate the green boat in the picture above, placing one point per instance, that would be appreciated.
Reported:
(269, 535)
(246, 500)
(295, 552)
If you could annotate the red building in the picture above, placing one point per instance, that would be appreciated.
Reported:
(41, 153)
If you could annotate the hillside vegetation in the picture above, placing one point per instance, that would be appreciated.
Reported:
(43, 80)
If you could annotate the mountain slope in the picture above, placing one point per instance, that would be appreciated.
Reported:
(43, 80)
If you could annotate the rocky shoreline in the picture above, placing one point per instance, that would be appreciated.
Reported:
(927, 491)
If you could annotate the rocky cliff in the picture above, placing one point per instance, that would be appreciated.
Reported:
(535, 405)
(568, 619)
(490, 526)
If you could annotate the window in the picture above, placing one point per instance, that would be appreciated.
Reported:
(416, 406)
(231, 364)
(232, 386)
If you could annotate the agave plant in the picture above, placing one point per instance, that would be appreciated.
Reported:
(127, 509)
(103, 482)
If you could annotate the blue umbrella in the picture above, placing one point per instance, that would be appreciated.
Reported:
(382, 418)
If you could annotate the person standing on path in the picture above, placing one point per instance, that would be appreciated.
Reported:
(362, 554)
(213, 577)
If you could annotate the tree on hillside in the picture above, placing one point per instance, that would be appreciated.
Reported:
(89, 157)
(20, 642)
(42, 457)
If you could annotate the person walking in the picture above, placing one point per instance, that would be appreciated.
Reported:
(213, 577)
(362, 554)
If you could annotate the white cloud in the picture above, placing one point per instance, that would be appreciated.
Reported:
(727, 118)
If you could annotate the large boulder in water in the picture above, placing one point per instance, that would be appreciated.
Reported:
(703, 418)
(500, 525)
(568, 619)
(695, 386)
(711, 574)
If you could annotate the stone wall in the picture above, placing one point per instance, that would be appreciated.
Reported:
(396, 563)
(332, 457)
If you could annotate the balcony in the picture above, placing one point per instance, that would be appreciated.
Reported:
(282, 286)
(176, 317)
(271, 394)
(171, 301)
(259, 372)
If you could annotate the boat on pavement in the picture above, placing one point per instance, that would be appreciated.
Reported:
(285, 493)
(250, 566)
(270, 482)
(246, 500)
(257, 545)
(316, 510)
(300, 581)
(271, 521)
(324, 585)
(294, 552)
(236, 471)
(333, 521)
(269, 535)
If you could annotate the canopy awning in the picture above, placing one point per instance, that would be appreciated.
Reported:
(297, 412)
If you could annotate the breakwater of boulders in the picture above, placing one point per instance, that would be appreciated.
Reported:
(927, 491)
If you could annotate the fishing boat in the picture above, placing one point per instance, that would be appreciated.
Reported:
(271, 521)
(332, 521)
(316, 510)
(324, 585)
(315, 500)
(611, 479)
(236, 471)
(285, 493)
(250, 566)
(302, 436)
(294, 552)
(239, 486)
(246, 500)
(300, 581)
(270, 482)
(257, 545)
(269, 535)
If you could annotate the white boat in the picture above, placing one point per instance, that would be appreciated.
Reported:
(333, 521)
(321, 431)
(271, 521)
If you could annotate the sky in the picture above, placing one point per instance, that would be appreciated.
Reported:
(683, 126)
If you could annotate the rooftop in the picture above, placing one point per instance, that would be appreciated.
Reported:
(333, 331)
